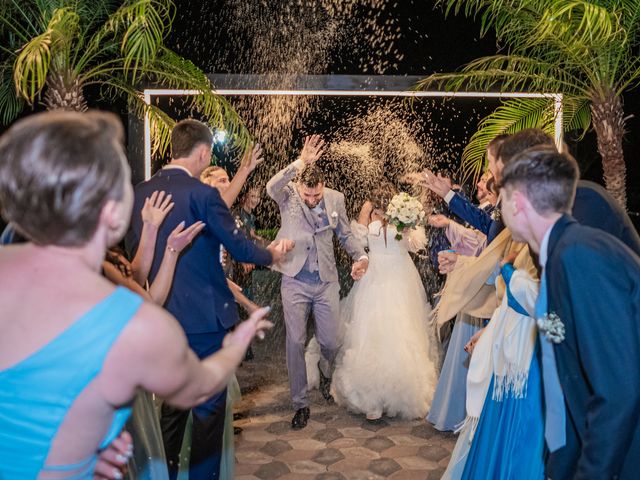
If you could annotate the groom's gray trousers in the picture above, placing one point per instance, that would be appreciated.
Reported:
(301, 295)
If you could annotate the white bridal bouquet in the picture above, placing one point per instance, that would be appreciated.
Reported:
(404, 211)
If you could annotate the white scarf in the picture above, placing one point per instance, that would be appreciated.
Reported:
(506, 347)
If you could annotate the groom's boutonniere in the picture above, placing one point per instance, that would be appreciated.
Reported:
(552, 327)
(334, 214)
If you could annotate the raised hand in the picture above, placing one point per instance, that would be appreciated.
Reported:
(155, 208)
(312, 150)
(438, 221)
(252, 158)
(436, 183)
(359, 268)
(447, 261)
(180, 237)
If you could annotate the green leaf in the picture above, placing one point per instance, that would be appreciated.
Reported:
(512, 116)
(10, 104)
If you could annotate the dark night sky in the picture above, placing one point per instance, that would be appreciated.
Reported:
(430, 43)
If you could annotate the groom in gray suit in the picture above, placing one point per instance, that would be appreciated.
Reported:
(310, 215)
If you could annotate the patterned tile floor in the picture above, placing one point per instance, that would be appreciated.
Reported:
(334, 445)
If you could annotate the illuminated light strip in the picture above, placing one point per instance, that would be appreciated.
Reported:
(148, 93)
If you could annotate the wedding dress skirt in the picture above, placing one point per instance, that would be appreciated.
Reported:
(386, 364)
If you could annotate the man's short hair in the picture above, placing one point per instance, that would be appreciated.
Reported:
(495, 143)
(547, 177)
(187, 135)
(521, 141)
(57, 170)
(311, 176)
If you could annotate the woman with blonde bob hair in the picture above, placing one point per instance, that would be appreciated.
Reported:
(74, 348)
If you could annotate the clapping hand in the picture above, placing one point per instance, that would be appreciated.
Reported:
(447, 261)
(180, 237)
(252, 158)
(436, 183)
(155, 208)
(312, 150)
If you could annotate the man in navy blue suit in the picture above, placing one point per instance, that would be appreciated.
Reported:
(592, 321)
(593, 206)
(200, 298)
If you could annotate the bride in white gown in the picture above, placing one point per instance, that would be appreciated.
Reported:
(385, 365)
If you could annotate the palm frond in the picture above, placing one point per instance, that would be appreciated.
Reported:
(143, 25)
(32, 66)
(10, 104)
(172, 71)
(47, 50)
(512, 116)
(582, 24)
(506, 73)
(629, 16)
(17, 18)
(576, 114)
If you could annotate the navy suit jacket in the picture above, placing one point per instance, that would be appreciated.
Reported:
(594, 287)
(593, 206)
(199, 298)
(478, 218)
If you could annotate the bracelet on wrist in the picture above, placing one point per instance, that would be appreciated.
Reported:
(171, 249)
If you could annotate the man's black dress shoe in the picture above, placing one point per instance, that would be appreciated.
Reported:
(300, 418)
(325, 387)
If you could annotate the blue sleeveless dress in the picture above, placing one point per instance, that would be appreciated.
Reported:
(509, 439)
(37, 393)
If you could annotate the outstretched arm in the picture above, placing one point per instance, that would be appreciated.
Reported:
(250, 160)
(463, 208)
(168, 367)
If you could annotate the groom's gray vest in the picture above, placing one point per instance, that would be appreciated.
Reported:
(311, 230)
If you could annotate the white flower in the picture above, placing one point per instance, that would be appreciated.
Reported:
(334, 214)
(404, 211)
(552, 327)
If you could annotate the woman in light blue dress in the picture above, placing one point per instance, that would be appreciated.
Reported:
(448, 410)
(74, 348)
(503, 434)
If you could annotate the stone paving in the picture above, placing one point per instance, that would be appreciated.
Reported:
(334, 445)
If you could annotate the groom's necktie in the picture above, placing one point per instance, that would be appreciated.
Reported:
(554, 426)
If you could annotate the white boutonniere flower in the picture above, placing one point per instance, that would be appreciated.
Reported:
(334, 214)
(552, 327)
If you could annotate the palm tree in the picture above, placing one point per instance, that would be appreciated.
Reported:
(57, 48)
(585, 50)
